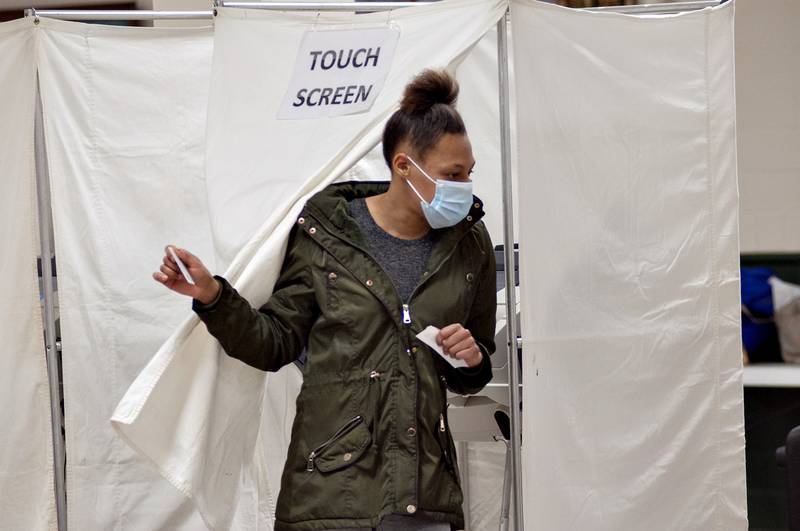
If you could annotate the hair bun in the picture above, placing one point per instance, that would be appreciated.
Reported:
(427, 89)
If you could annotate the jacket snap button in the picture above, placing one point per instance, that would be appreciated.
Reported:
(312, 230)
(470, 277)
(301, 220)
(414, 349)
(411, 509)
(332, 275)
(469, 218)
(369, 282)
(411, 431)
(477, 205)
(348, 456)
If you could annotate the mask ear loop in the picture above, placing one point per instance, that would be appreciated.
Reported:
(415, 190)
(431, 179)
(414, 187)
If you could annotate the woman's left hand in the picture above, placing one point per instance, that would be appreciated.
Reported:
(457, 342)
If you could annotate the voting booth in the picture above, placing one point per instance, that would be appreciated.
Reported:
(625, 314)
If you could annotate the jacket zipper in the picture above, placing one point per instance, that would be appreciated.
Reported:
(341, 432)
(407, 323)
(406, 315)
(443, 431)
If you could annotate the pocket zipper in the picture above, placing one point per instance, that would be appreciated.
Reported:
(373, 378)
(441, 423)
(341, 432)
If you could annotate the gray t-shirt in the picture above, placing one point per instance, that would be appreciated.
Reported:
(403, 260)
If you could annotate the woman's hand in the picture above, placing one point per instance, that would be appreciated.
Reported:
(205, 288)
(457, 342)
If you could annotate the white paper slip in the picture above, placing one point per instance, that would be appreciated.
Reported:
(181, 266)
(428, 336)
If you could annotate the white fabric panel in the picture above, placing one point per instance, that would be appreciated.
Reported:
(630, 284)
(27, 501)
(125, 113)
(177, 411)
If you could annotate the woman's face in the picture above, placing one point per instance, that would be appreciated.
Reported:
(450, 159)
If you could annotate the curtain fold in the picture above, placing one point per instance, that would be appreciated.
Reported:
(27, 497)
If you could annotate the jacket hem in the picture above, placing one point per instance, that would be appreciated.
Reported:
(456, 522)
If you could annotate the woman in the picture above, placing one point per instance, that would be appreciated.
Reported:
(367, 267)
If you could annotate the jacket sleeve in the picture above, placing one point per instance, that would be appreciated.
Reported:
(273, 335)
(481, 324)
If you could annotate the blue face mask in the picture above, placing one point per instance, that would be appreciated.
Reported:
(451, 201)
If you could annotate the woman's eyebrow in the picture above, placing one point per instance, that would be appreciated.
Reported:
(461, 166)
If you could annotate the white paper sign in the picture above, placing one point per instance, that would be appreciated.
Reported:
(339, 72)
(428, 336)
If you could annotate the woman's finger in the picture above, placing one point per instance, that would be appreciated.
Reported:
(461, 335)
(171, 274)
(189, 260)
(170, 263)
(465, 345)
(449, 330)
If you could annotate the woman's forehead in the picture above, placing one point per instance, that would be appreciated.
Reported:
(452, 149)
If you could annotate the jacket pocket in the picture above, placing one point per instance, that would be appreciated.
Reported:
(342, 449)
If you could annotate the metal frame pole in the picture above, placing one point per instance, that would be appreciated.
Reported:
(96, 14)
(510, 261)
(51, 347)
(322, 6)
(666, 7)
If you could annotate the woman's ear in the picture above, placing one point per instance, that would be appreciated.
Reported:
(400, 164)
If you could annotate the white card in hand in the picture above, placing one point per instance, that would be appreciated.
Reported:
(428, 336)
(181, 266)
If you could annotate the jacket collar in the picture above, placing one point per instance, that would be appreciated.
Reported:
(329, 206)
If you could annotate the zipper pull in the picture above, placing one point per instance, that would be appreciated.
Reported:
(374, 375)
(406, 314)
(441, 423)
(310, 466)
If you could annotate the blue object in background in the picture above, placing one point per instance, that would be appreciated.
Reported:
(760, 338)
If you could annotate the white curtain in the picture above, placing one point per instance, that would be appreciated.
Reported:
(124, 113)
(630, 282)
(27, 501)
(177, 411)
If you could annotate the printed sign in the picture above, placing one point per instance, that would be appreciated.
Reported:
(339, 72)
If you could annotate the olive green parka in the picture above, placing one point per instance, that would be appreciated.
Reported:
(371, 436)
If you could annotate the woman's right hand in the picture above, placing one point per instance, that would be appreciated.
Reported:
(205, 288)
